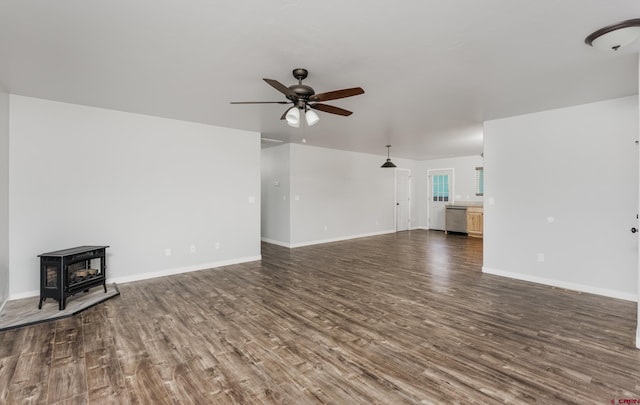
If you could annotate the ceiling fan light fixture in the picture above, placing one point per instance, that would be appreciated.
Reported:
(311, 117)
(293, 117)
(388, 163)
(304, 97)
(615, 36)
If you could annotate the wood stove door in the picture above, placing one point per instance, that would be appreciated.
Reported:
(51, 283)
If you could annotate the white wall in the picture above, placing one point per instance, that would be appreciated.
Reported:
(340, 195)
(88, 176)
(4, 197)
(464, 178)
(326, 195)
(276, 190)
(345, 192)
(564, 183)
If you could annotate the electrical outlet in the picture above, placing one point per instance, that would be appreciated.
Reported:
(217, 245)
(167, 252)
(541, 257)
(193, 248)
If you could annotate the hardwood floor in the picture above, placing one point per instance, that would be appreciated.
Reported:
(398, 318)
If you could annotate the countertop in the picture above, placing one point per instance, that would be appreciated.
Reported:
(465, 204)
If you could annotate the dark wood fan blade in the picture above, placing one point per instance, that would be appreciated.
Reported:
(259, 102)
(280, 87)
(330, 109)
(333, 95)
(285, 112)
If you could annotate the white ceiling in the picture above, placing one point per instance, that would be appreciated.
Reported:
(432, 70)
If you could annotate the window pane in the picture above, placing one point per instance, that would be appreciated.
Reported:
(479, 181)
(440, 188)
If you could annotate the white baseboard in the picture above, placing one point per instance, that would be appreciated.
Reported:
(180, 270)
(154, 274)
(276, 242)
(563, 284)
(340, 238)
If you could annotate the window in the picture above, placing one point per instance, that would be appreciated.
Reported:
(479, 180)
(440, 187)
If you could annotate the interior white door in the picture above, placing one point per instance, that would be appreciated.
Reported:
(403, 199)
(638, 303)
(440, 192)
(638, 286)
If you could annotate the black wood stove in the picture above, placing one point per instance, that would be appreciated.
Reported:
(64, 273)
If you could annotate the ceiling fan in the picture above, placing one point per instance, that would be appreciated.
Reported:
(304, 99)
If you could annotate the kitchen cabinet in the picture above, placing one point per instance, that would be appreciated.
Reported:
(475, 221)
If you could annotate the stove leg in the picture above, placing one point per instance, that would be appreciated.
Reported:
(105, 287)
(40, 303)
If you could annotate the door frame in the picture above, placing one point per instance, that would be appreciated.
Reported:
(452, 194)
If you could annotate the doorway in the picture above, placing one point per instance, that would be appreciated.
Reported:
(440, 191)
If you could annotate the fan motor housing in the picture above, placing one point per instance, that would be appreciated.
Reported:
(302, 91)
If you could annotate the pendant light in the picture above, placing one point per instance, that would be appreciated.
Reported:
(388, 163)
(615, 36)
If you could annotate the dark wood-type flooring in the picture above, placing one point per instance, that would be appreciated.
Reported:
(392, 319)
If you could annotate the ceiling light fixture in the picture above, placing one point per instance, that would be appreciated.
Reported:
(388, 163)
(615, 36)
(311, 117)
(293, 117)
